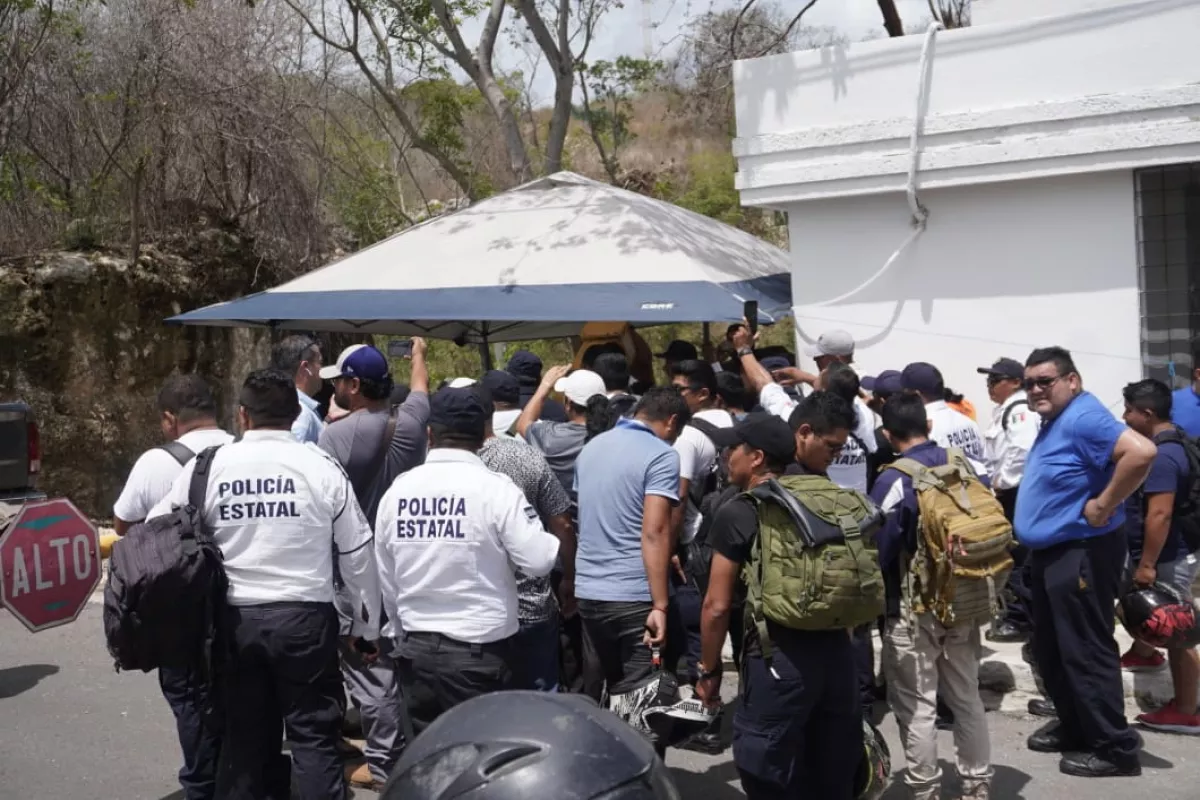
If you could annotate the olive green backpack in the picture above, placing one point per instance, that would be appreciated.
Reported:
(814, 564)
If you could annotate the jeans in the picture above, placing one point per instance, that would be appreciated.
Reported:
(614, 656)
(284, 673)
(438, 673)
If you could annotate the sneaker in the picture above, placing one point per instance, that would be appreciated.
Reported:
(1169, 719)
(1132, 662)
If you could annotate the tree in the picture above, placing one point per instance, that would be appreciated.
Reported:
(394, 42)
(613, 84)
(702, 72)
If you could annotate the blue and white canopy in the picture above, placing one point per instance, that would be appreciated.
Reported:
(535, 262)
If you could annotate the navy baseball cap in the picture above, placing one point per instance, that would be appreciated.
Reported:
(923, 378)
(679, 350)
(502, 386)
(762, 431)
(772, 363)
(1004, 368)
(884, 384)
(463, 411)
(525, 366)
(358, 361)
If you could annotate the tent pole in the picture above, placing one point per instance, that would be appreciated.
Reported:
(485, 351)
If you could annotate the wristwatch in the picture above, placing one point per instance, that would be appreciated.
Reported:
(705, 674)
(745, 351)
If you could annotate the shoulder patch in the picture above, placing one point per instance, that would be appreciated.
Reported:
(530, 514)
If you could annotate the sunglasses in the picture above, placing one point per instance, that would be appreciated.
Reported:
(1043, 383)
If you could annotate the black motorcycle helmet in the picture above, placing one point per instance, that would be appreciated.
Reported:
(523, 745)
(1160, 616)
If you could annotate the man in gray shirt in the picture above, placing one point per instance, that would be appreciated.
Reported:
(374, 443)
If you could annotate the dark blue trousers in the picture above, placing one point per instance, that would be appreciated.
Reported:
(1075, 587)
(284, 673)
(535, 656)
(688, 597)
(798, 732)
(200, 745)
(1020, 589)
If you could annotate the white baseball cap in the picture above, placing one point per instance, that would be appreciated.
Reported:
(580, 386)
(832, 343)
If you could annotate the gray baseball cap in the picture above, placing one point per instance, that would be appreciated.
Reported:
(832, 343)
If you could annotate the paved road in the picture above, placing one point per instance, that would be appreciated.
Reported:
(73, 729)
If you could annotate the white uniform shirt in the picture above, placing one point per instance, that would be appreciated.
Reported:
(451, 532)
(849, 470)
(277, 509)
(953, 428)
(697, 454)
(155, 471)
(1007, 449)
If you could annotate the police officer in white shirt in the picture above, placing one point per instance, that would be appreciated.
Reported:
(1012, 432)
(450, 533)
(188, 417)
(273, 506)
(948, 427)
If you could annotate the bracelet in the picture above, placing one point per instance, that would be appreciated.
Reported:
(745, 351)
(656, 608)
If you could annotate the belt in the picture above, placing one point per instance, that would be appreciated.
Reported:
(441, 640)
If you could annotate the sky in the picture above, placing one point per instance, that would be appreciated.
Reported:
(621, 29)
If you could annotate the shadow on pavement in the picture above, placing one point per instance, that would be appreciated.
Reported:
(15, 680)
(712, 784)
(1007, 783)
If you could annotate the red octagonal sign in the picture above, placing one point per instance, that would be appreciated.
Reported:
(49, 564)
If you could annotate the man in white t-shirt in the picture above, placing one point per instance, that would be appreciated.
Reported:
(188, 417)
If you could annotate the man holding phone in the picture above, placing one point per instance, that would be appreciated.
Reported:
(375, 442)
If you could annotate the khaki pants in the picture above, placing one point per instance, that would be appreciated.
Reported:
(916, 663)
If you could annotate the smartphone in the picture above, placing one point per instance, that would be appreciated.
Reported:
(400, 348)
(750, 312)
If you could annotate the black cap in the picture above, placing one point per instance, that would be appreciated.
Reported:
(525, 367)
(923, 378)
(885, 384)
(464, 411)
(679, 350)
(1004, 368)
(503, 386)
(762, 431)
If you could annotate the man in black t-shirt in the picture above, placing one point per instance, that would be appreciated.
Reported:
(798, 731)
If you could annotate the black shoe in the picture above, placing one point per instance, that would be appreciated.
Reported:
(1049, 739)
(1090, 765)
(709, 743)
(1005, 631)
(1043, 707)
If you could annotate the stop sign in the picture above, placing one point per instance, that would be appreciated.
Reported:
(49, 564)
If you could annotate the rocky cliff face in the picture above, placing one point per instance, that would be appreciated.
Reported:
(82, 340)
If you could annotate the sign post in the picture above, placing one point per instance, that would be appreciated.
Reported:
(49, 564)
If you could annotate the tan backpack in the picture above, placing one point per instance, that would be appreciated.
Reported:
(962, 560)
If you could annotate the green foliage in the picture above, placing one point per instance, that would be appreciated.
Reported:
(441, 108)
(610, 89)
(710, 190)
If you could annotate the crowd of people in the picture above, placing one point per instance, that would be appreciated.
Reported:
(403, 550)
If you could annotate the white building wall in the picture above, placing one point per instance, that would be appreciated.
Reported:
(1001, 269)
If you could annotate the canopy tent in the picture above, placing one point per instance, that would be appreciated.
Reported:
(534, 262)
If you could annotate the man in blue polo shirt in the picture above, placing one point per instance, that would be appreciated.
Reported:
(1082, 467)
(627, 481)
(1185, 402)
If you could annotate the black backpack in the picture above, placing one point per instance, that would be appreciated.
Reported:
(167, 589)
(180, 452)
(620, 406)
(698, 553)
(717, 478)
(1186, 514)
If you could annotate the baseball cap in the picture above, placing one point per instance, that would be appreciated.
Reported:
(358, 361)
(679, 350)
(525, 366)
(832, 343)
(884, 384)
(462, 410)
(502, 386)
(1004, 368)
(762, 431)
(772, 363)
(923, 378)
(580, 386)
